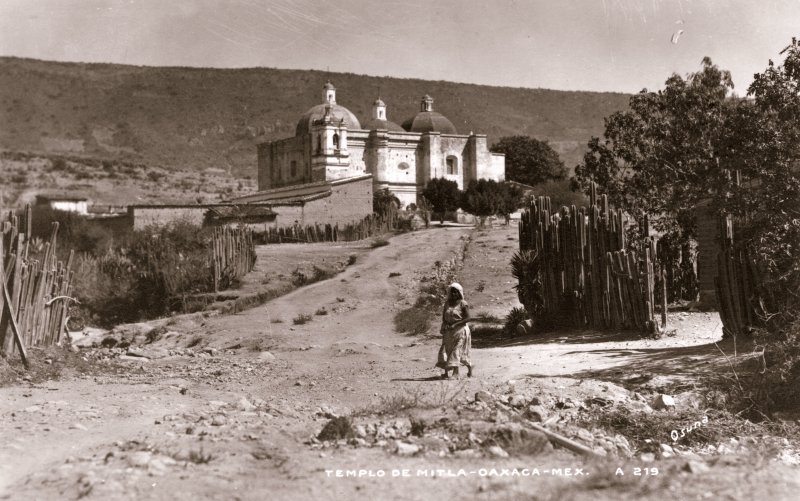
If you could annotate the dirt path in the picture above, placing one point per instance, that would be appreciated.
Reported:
(232, 423)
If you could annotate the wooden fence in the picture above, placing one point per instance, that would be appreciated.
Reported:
(737, 282)
(35, 292)
(371, 225)
(233, 255)
(588, 276)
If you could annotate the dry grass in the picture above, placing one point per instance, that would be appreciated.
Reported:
(302, 318)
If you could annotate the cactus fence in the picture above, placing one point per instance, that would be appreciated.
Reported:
(587, 274)
(35, 292)
(369, 226)
(737, 283)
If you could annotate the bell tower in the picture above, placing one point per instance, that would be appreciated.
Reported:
(330, 158)
(329, 93)
(379, 109)
(426, 104)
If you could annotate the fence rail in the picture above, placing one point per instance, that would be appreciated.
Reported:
(233, 255)
(587, 274)
(35, 292)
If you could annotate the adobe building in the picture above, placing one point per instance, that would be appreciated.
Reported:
(331, 145)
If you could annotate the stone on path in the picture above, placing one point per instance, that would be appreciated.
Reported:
(406, 449)
(663, 402)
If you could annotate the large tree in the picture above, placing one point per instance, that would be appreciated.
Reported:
(529, 160)
(663, 155)
(486, 197)
(443, 195)
(762, 148)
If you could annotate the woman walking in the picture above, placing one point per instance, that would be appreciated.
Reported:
(456, 337)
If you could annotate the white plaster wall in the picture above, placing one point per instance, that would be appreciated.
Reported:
(80, 207)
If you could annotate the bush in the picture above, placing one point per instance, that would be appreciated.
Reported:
(379, 242)
(336, 429)
(74, 232)
(560, 193)
(149, 274)
(515, 317)
(301, 318)
(59, 164)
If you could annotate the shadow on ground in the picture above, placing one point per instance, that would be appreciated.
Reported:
(680, 366)
(492, 336)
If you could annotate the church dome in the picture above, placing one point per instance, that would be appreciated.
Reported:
(318, 111)
(376, 123)
(428, 120)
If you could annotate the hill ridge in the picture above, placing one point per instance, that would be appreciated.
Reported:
(197, 118)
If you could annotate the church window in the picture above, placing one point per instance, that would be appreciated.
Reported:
(403, 166)
(452, 165)
(335, 141)
(293, 168)
(319, 145)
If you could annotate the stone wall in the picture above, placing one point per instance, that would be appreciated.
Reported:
(349, 201)
(275, 162)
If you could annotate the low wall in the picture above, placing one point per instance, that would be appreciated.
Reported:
(348, 201)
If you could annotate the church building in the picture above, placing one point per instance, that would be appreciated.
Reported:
(332, 145)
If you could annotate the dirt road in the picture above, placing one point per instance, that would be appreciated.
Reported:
(233, 417)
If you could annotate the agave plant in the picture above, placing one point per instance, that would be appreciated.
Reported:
(515, 317)
(526, 268)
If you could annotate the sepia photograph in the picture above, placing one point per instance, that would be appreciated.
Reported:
(523, 250)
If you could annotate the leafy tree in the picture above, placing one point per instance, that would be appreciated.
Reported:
(384, 202)
(763, 149)
(694, 141)
(486, 197)
(529, 160)
(443, 195)
(663, 155)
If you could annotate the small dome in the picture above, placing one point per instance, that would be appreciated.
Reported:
(430, 121)
(329, 86)
(376, 123)
(318, 111)
(379, 102)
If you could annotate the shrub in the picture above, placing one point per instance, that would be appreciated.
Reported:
(59, 164)
(379, 242)
(414, 320)
(337, 428)
(151, 273)
(198, 457)
(515, 317)
(301, 318)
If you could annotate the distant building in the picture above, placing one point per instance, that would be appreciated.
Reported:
(330, 144)
(67, 202)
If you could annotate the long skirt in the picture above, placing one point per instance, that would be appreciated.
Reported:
(455, 348)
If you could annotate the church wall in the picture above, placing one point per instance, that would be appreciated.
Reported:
(454, 146)
(398, 154)
(348, 202)
(358, 161)
(498, 172)
(275, 162)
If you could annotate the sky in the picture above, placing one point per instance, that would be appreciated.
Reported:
(599, 45)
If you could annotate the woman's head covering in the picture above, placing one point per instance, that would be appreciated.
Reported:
(457, 286)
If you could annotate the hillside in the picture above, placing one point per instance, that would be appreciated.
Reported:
(189, 118)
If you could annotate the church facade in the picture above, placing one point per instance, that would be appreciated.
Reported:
(332, 144)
